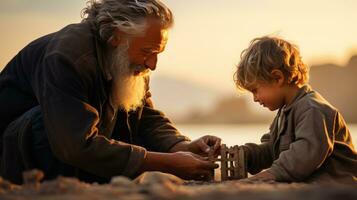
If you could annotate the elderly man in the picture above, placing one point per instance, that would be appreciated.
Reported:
(76, 102)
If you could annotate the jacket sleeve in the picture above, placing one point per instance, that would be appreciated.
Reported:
(313, 144)
(157, 131)
(71, 122)
(258, 156)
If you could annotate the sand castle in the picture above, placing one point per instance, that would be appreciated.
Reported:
(233, 164)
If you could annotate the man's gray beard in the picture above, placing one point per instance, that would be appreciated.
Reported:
(128, 90)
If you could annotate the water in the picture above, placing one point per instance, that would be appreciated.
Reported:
(238, 134)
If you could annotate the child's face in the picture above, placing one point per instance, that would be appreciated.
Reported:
(269, 95)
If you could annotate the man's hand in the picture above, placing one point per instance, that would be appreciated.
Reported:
(205, 144)
(202, 146)
(185, 165)
(188, 165)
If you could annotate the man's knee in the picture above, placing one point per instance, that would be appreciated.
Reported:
(25, 146)
(15, 155)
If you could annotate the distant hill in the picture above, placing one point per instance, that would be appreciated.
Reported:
(188, 102)
(229, 110)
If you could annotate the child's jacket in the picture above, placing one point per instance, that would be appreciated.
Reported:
(308, 141)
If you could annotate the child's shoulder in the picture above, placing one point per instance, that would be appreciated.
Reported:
(311, 99)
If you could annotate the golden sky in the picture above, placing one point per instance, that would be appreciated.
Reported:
(208, 35)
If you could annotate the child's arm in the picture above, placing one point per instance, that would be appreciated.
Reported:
(313, 144)
(260, 156)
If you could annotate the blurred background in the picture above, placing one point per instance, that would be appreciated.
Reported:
(193, 83)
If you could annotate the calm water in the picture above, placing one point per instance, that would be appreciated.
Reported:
(238, 134)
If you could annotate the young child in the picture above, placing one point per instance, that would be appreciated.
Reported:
(308, 139)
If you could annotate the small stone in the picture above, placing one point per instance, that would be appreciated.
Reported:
(6, 186)
(159, 185)
(153, 178)
(121, 181)
(33, 176)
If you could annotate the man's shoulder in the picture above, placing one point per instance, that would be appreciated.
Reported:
(76, 42)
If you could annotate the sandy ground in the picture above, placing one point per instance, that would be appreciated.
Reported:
(158, 186)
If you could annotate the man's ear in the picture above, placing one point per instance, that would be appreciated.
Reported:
(278, 76)
(115, 40)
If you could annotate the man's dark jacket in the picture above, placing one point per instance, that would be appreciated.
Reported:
(63, 73)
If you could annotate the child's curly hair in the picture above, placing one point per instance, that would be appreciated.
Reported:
(266, 54)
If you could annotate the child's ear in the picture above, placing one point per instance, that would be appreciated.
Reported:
(278, 76)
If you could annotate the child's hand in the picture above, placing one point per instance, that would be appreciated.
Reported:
(264, 176)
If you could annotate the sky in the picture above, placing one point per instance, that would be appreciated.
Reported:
(209, 35)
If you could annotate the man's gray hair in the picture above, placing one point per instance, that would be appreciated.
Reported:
(128, 16)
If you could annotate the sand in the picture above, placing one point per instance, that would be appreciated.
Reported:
(156, 186)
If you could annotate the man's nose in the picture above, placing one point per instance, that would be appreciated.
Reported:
(255, 98)
(151, 62)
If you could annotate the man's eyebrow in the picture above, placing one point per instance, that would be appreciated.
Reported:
(148, 49)
(151, 50)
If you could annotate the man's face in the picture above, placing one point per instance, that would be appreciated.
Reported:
(144, 49)
(130, 61)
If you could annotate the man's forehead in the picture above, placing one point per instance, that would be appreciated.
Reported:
(153, 40)
(160, 46)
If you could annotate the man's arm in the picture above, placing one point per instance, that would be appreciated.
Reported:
(160, 134)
